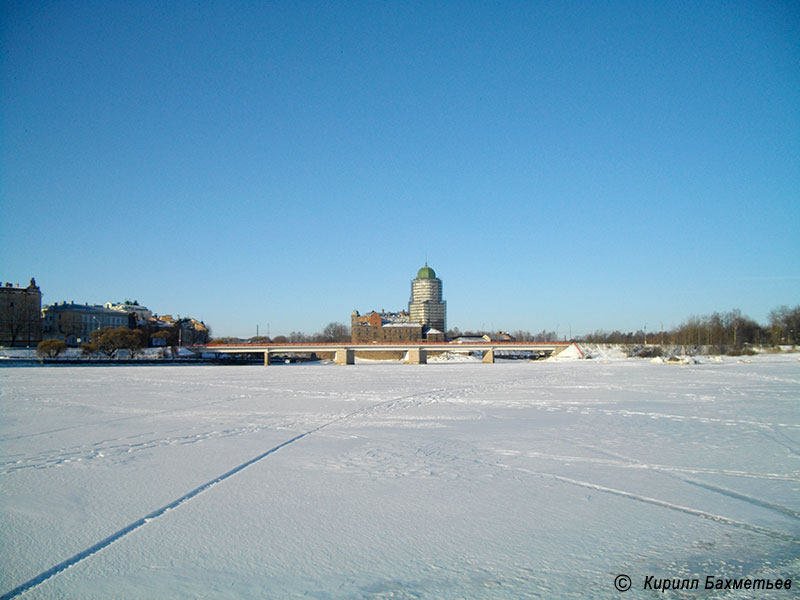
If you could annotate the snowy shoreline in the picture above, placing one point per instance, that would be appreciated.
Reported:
(596, 352)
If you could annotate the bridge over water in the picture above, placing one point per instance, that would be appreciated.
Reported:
(416, 354)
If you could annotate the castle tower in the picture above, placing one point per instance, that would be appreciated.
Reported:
(426, 305)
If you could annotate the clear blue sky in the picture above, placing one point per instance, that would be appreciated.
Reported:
(578, 165)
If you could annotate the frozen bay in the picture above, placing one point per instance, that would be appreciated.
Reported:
(512, 480)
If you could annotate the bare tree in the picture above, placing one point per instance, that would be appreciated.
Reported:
(336, 332)
(20, 318)
(785, 324)
(17, 320)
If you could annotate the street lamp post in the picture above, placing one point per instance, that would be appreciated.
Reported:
(99, 325)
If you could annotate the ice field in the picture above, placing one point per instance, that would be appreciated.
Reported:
(441, 481)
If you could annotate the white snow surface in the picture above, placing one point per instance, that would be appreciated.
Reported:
(453, 480)
(571, 352)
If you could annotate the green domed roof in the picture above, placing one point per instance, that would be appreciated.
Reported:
(426, 273)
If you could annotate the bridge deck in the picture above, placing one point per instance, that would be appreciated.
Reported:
(333, 346)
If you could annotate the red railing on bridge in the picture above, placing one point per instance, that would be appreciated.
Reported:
(377, 343)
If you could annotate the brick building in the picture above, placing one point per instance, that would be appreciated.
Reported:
(20, 315)
(383, 328)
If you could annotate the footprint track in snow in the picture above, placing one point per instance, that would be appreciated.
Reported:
(383, 406)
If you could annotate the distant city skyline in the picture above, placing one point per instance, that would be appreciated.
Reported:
(561, 167)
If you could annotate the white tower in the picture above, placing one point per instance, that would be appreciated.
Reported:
(426, 305)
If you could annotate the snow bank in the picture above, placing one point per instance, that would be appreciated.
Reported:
(571, 352)
(604, 351)
(458, 357)
(27, 353)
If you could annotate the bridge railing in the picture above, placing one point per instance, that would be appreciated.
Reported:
(375, 343)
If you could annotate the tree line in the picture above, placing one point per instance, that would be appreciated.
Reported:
(104, 341)
(333, 332)
(108, 340)
(721, 331)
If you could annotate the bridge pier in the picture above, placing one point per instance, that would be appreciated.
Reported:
(488, 356)
(345, 356)
(266, 358)
(416, 356)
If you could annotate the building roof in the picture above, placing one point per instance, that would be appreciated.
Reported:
(84, 308)
(426, 273)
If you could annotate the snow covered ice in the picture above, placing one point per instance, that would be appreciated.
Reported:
(459, 480)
